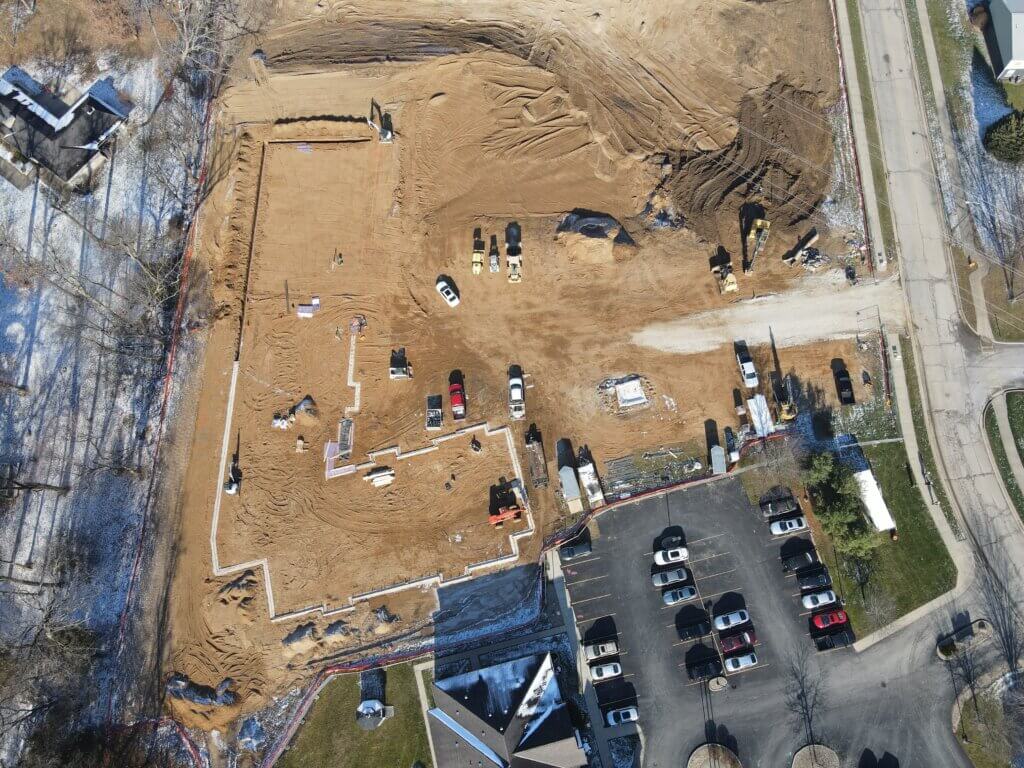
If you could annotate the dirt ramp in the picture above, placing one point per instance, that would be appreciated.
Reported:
(781, 158)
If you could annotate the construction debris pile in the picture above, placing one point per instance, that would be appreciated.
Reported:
(640, 472)
(625, 394)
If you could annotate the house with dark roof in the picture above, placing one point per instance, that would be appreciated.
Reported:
(38, 128)
(509, 715)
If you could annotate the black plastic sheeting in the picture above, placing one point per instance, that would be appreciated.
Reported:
(596, 225)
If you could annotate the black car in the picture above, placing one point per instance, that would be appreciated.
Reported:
(572, 551)
(844, 387)
(692, 631)
(804, 559)
(704, 670)
(840, 639)
(776, 507)
(814, 578)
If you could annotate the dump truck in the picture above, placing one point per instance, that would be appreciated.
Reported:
(514, 252)
(478, 252)
(535, 459)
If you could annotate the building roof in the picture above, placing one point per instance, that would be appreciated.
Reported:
(509, 715)
(1008, 24)
(43, 127)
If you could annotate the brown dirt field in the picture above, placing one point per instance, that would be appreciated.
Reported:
(521, 120)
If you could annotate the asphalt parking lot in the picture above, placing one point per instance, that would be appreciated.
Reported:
(734, 564)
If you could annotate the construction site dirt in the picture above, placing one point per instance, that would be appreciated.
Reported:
(324, 246)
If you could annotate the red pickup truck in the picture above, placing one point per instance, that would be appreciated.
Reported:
(458, 397)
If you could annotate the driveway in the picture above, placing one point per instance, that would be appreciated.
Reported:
(873, 699)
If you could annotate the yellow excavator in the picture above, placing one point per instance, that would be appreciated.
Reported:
(787, 407)
(756, 239)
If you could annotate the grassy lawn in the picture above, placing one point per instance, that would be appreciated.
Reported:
(1007, 318)
(1015, 407)
(923, 446)
(905, 573)
(330, 738)
(871, 127)
(1002, 461)
(987, 745)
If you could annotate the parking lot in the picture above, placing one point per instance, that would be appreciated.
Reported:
(664, 650)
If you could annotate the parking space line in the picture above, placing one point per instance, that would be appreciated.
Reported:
(585, 599)
(719, 594)
(581, 562)
(706, 538)
(709, 557)
(712, 575)
(759, 665)
(585, 619)
(584, 581)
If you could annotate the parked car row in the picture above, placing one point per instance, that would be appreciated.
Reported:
(737, 646)
(829, 623)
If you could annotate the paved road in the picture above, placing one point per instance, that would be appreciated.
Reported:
(959, 375)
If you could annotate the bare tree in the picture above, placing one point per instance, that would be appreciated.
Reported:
(1001, 611)
(967, 669)
(804, 695)
(879, 607)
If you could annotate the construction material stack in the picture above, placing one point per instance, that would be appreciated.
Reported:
(535, 457)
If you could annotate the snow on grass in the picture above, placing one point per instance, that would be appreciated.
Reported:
(88, 420)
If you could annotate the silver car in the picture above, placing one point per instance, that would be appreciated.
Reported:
(736, 663)
(734, 619)
(783, 527)
(680, 595)
(664, 578)
(601, 672)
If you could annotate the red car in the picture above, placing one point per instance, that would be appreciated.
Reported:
(738, 642)
(458, 398)
(826, 620)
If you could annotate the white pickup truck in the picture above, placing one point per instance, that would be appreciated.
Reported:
(516, 397)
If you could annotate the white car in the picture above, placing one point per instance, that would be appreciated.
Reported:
(747, 370)
(729, 620)
(602, 672)
(736, 663)
(792, 525)
(516, 397)
(816, 600)
(624, 715)
(664, 578)
(680, 595)
(669, 556)
(447, 292)
(596, 651)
